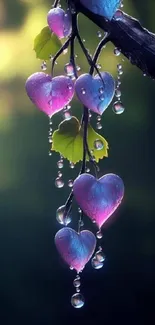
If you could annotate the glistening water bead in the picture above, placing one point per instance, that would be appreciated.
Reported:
(98, 144)
(60, 164)
(77, 300)
(96, 264)
(118, 108)
(62, 217)
(69, 70)
(59, 183)
(100, 257)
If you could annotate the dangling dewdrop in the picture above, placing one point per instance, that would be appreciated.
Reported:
(99, 258)
(63, 216)
(71, 165)
(66, 112)
(44, 66)
(77, 300)
(97, 261)
(118, 107)
(59, 183)
(98, 124)
(98, 144)
(80, 221)
(69, 70)
(50, 136)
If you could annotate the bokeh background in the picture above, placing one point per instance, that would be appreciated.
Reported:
(35, 285)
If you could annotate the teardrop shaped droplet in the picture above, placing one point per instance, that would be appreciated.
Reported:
(118, 108)
(100, 256)
(59, 183)
(99, 234)
(62, 217)
(77, 300)
(96, 264)
(98, 144)
(69, 70)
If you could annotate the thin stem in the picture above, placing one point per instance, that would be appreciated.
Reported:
(72, 44)
(65, 46)
(88, 57)
(102, 43)
(55, 3)
(85, 131)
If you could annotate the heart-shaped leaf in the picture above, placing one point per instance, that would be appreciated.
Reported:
(68, 141)
(46, 44)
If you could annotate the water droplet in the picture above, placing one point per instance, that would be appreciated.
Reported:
(83, 91)
(44, 66)
(62, 217)
(98, 118)
(69, 86)
(81, 223)
(77, 289)
(70, 183)
(120, 72)
(96, 264)
(79, 210)
(50, 153)
(99, 234)
(87, 170)
(98, 125)
(71, 268)
(119, 66)
(59, 173)
(98, 144)
(59, 183)
(60, 163)
(77, 300)
(67, 115)
(101, 90)
(99, 66)
(69, 69)
(50, 121)
(78, 68)
(118, 93)
(50, 140)
(118, 107)
(71, 165)
(101, 97)
(117, 52)
(100, 256)
(99, 34)
(76, 283)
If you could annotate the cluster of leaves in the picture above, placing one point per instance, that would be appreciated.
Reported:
(68, 139)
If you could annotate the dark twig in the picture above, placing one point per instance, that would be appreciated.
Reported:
(55, 3)
(102, 43)
(64, 47)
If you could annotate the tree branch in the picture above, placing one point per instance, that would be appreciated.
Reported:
(127, 34)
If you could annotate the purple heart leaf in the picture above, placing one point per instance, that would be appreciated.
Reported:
(49, 95)
(95, 93)
(76, 249)
(98, 198)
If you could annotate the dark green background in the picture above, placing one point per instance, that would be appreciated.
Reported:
(35, 285)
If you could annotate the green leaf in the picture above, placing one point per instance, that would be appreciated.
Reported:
(46, 44)
(68, 141)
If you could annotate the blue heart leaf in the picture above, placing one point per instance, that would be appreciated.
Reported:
(106, 8)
